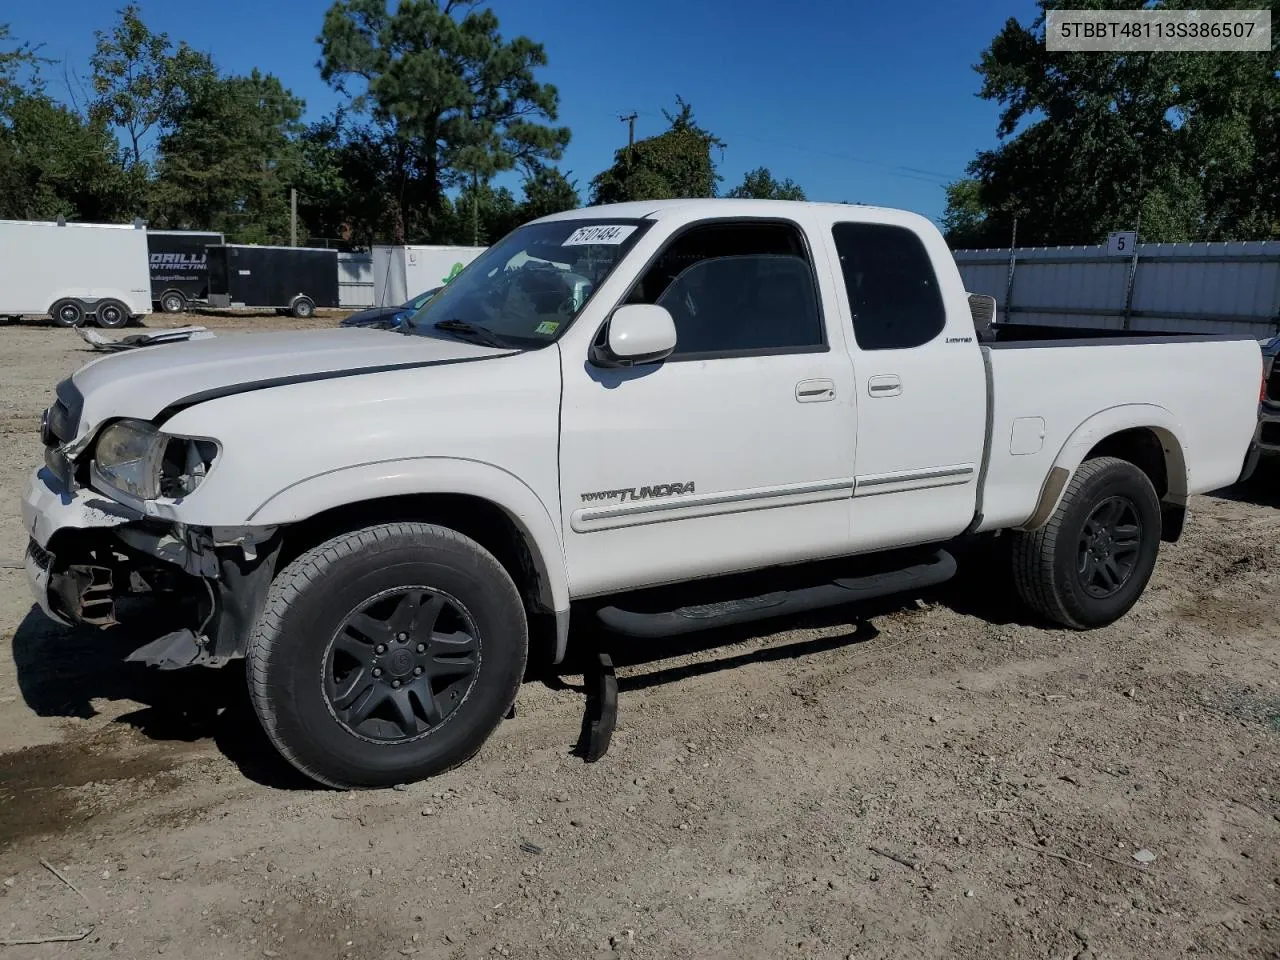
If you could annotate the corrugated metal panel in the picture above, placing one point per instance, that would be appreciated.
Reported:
(1231, 287)
(355, 279)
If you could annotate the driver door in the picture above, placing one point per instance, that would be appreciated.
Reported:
(737, 451)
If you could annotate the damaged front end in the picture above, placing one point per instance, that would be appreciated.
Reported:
(102, 561)
(197, 589)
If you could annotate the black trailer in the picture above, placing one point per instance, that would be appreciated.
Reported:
(179, 267)
(297, 279)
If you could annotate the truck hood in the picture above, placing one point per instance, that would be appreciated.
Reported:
(144, 383)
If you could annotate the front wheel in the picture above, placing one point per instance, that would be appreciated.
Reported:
(1089, 564)
(387, 655)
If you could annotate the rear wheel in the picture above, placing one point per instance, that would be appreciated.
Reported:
(387, 655)
(67, 313)
(1090, 563)
(111, 314)
(302, 307)
(173, 302)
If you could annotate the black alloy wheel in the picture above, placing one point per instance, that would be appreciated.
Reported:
(401, 663)
(1109, 546)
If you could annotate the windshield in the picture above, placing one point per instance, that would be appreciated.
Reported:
(525, 290)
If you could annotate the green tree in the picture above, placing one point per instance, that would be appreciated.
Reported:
(965, 223)
(370, 186)
(484, 214)
(232, 158)
(1090, 142)
(15, 57)
(461, 102)
(139, 81)
(53, 162)
(759, 184)
(675, 163)
(548, 191)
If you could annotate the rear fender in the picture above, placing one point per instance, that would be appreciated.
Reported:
(1098, 428)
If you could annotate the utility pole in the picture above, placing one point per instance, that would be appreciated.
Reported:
(630, 120)
(293, 216)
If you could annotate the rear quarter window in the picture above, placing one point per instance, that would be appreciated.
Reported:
(894, 298)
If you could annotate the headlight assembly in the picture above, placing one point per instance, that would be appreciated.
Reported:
(139, 460)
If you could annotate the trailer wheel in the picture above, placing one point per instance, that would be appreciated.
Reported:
(172, 301)
(111, 314)
(387, 655)
(302, 307)
(1089, 564)
(67, 313)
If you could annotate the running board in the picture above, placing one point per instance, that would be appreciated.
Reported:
(938, 568)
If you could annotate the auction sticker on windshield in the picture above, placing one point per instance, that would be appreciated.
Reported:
(600, 233)
(547, 327)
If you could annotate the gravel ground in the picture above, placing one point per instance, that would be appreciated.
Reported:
(941, 778)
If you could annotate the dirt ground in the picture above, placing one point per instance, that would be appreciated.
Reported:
(941, 778)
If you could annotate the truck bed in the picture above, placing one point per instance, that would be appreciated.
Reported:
(1047, 394)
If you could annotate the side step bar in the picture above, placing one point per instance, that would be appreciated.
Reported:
(938, 568)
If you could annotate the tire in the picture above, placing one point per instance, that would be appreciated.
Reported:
(314, 675)
(173, 301)
(111, 314)
(1086, 568)
(303, 307)
(67, 313)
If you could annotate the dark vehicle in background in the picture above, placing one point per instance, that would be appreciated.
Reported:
(390, 318)
(292, 279)
(179, 263)
(1269, 408)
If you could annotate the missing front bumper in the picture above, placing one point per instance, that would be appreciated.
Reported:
(87, 553)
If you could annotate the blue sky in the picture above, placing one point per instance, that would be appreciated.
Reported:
(868, 102)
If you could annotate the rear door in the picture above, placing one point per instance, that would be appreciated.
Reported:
(920, 383)
(734, 453)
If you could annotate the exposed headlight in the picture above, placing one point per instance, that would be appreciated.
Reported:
(136, 458)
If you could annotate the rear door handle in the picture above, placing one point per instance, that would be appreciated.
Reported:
(815, 391)
(886, 385)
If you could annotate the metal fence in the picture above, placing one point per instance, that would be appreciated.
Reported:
(1161, 287)
(355, 279)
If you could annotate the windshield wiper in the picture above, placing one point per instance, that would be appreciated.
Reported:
(470, 331)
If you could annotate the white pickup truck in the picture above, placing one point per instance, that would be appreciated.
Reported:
(608, 401)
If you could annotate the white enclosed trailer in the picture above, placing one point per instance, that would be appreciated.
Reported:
(402, 272)
(74, 271)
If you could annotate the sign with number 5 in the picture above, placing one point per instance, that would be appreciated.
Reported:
(1121, 243)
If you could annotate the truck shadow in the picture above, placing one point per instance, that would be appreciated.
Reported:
(983, 588)
(62, 671)
(1262, 489)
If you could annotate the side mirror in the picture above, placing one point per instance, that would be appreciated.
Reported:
(637, 333)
